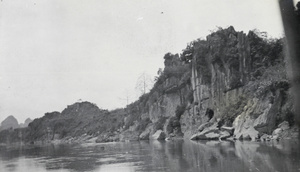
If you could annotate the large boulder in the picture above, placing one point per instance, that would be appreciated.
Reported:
(205, 125)
(281, 130)
(145, 134)
(158, 135)
(230, 130)
(210, 133)
(284, 125)
(277, 133)
(247, 134)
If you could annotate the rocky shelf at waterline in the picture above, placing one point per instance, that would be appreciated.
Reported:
(210, 131)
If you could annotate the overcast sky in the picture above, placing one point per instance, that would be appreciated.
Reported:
(55, 52)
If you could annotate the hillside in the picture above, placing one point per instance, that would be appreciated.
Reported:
(230, 85)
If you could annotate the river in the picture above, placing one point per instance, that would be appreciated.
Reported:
(180, 155)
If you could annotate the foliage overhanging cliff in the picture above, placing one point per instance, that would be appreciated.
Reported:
(237, 79)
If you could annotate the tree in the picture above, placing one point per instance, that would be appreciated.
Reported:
(144, 83)
(159, 74)
(126, 98)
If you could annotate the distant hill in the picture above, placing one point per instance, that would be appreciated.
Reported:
(12, 123)
(25, 124)
(75, 120)
(9, 122)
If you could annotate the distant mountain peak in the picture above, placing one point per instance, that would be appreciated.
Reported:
(26, 123)
(10, 122)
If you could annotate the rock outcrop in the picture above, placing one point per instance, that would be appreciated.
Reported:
(240, 82)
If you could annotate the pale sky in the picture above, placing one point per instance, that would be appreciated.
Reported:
(55, 52)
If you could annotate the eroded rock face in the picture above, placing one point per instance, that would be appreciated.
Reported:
(237, 77)
(266, 122)
(243, 124)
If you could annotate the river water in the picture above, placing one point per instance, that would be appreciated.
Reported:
(180, 155)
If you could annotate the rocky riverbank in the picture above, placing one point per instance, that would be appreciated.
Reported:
(230, 86)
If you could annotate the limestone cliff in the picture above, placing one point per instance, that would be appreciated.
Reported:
(232, 79)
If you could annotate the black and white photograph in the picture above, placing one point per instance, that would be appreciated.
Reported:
(149, 85)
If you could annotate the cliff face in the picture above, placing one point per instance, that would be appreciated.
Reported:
(244, 77)
(230, 84)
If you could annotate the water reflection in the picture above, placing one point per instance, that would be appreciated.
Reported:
(182, 155)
